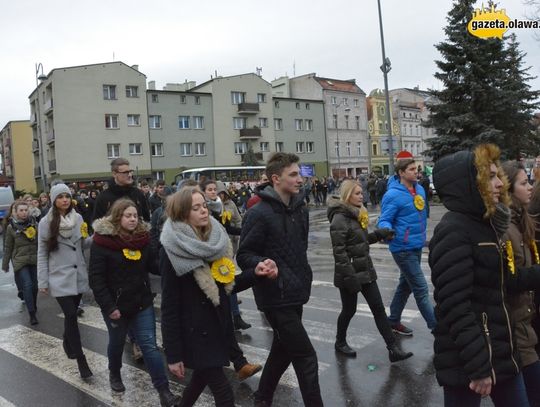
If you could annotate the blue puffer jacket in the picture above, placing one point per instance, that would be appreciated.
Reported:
(399, 213)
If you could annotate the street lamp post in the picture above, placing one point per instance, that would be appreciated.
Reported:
(39, 79)
(337, 135)
(385, 68)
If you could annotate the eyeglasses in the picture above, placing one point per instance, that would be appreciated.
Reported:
(125, 172)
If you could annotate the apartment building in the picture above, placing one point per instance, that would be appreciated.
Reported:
(16, 151)
(82, 117)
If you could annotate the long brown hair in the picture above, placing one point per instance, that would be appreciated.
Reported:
(526, 224)
(115, 214)
(54, 226)
(178, 209)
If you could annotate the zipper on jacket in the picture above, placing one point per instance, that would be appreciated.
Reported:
(118, 294)
(488, 339)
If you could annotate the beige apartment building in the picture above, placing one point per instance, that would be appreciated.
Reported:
(83, 117)
(16, 151)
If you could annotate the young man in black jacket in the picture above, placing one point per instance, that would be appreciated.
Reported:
(274, 239)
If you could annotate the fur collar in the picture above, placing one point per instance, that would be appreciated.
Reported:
(104, 226)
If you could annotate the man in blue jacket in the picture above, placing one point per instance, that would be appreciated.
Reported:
(274, 239)
(403, 209)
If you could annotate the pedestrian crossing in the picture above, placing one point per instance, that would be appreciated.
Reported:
(5, 403)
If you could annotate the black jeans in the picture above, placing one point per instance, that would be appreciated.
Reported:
(349, 301)
(72, 336)
(236, 355)
(218, 383)
(290, 344)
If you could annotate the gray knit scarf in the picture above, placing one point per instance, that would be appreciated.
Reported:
(501, 219)
(186, 251)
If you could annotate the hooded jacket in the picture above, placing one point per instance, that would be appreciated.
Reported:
(350, 244)
(398, 212)
(21, 250)
(474, 337)
(105, 200)
(273, 230)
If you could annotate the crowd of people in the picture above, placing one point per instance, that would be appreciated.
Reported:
(198, 236)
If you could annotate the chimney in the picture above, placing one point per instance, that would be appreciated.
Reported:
(136, 67)
(151, 85)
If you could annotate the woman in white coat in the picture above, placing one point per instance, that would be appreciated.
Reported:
(62, 271)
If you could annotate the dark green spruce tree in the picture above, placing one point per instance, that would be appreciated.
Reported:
(485, 97)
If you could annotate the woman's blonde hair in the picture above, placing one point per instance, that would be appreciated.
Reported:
(346, 190)
(116, 212)
(178, 209)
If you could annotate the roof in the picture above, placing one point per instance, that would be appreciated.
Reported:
(227, 77)
(339, 85)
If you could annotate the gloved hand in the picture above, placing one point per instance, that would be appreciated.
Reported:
(384, 234)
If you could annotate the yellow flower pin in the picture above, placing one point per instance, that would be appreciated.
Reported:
(534, 250)
(419, 202)
(363, 218)
(510, 257)
(226, 216)
(132, 254)
(30, 232)
(223, 270)
(84, 230)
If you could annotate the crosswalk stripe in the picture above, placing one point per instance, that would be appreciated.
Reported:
(93, 317)
(46, 352)
(5, 403)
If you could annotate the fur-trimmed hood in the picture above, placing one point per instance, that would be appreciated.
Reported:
(106, 236)
(104, 226)
(336, 205)
(462, 181)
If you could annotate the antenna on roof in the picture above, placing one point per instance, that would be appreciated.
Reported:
(294, 68)
(113, 56)
(259, 71)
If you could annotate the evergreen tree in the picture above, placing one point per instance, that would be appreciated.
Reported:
(250, 158)
(485, 96)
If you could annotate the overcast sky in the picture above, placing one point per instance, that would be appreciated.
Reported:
(175, 40)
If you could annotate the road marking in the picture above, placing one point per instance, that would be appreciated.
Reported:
(5, 403)
(46, 352)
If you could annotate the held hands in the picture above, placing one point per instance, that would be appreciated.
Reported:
(385, 234)
(267, 268)
(177, 369)
(115, 314)
(481, 386)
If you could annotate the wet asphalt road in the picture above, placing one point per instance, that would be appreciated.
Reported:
(35, 372)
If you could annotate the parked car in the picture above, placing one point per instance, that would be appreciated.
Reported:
(6, 199)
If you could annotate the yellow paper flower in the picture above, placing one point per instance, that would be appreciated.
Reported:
(74, 202)
(419, 202)
(363, 219)
(510, 257)
(30, 232)
(84, 230)
(534, 250)
(132, 254)
(223, 270)
(226, 216)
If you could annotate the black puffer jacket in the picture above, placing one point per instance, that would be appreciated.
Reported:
(105, 200)
(272, 230)
(350, 243)
(474, 336)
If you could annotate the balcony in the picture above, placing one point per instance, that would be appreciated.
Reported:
(50, 136)
(250, 134)
(33, 119)
(248, 108)
(35, 146)
(52, 166)
(37, 172)
(48, 107)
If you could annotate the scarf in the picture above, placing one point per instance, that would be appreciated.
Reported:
(120, 242)
(501, 219)
(215, 206)
(67, 224)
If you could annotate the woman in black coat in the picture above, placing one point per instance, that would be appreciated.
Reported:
(354, 271)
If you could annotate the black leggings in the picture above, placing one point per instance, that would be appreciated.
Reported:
(72, 336)
(349, 301)
(219, 386)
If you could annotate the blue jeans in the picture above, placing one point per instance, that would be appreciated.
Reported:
(531, 376)
(235, 309)
(411, 279)
(510, 393)
(143, 325)
(26, 279)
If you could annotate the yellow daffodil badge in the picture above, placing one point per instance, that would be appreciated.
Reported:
(510, 257)
(30, 232)
(223, 270)
(84, 230)
(534, 249)
(363, 219)
(419, 202)
(226, 216)
(132, 254)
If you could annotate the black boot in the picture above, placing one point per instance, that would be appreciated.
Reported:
(395, 354)
(67, 349)
(84, 369)
(33, 319)
(115, 381)
(343, 348)
(167, 399)
(239, 323)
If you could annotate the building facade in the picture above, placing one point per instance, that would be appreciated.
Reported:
(16, 151)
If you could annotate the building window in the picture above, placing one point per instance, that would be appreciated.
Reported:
(154, 122)
(200, 148)
(155, 98)
(278, 124)
(297, 105)
(134, 119)
(135, 148)
(348, 148)
(109, 92)
(357, 120)
(265, 146)
(333, 100)
(310, 147)
(240, 148)
(239, 123)
(183, 99)
(111, 121)
(336, 148)
(197, 100)
(355, 102)
(185, 149)
(157, 149)
(299, 124)
(198, 122)
(113, 150)
(381, 109)
(374, 149)
(132, 91)
(263, 122)
(404, 114)
(358, 148)
(237, 97)
(261, 97)
(183, 122)
(334, 121)
(309, 125)
(299, 147)
(158, 175)
(346, 121)
(307, 106)
(279, 146)
(276, 104)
